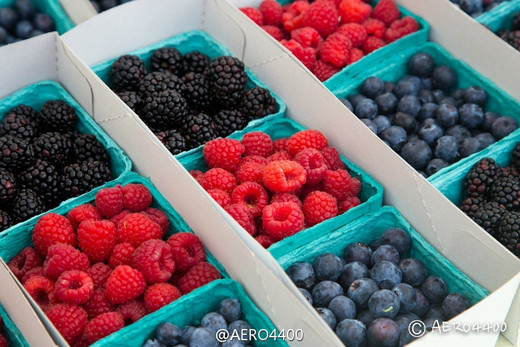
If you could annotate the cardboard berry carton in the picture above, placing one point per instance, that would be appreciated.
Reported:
(10, 332)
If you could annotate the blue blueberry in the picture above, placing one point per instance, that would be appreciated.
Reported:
(503, 126)
(435, 165)
(485, 139)
(36, 33)
(471, 6)
(460, 132)
(438, 95)
(389, 87)
(108, 4)
(370, 125)
(352, 333)
(421, 64)
(232, 343)
(354, 99)
(447, 115)
(444, 78)
(239, 328)
(386, 103)
(395, 136)
(327, 266)
(3, 36)
(168, 334)
(12, 39)
(382, 123)
(306, 295)
(347, 103)
(358, 252)
(430, 323)
(448, 100)
(153, 343)
(416, 81)
(427, 111)
(372, 87)
(416, 153)
(383, 332)
(343, 308)
(366, 108)
(413, 270)
(230, 309)
(458, 94)
(405, 121)
(470, 146)
(213, 321)
(385, 252)
(23, 29)
(327, 316)
(361, 290)
(406, 87)
(324, 292)
(187, 331)
(475, 95)
(302, 274)
(454, 304)
(411, 316)
(386, 274)
(447, 148)
(434, 289)
(25, 9)
(421, 305)
(471, 116)
(374, 245)
(430, 132)
(384, 304)
(8, 18)
(426, 84)
(407, 297)
(435, 311)
(352, 271)
(489, 118)
(43, 22)
(426, 96)
(365, 317)
(409, 104)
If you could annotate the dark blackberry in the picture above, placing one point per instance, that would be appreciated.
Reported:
(87, 146)
(79, 178)
(54, 147)
(198, 129)
(164, 110)
(481, 177)
(195, 62)
(505, 191)
(509, 232)
(488, 216)
(516, 21)
(15, 153)
(196, 90)
(127, 72)
(7, 186)
(131, 99)
(471, 205)
(515, 156)
(28, 112)
(57, 115)
(5, 220)
(508, 171)
(43, 178)
(26, 204)
(512, 38)
(18, 126)
(173, 141)
(227, 79)
(158, 81)
(258, 102)
(72, 135)
(167, 59)
(229, 121)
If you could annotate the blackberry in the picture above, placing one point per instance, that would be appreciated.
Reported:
(173, 141)
(131, 99)
(195, 62)
(512, 38)
(481, 177)
(87, 146)
(7, 186)
(43, 178)
(471, 204)
(196, 90)
(167, 59)
(488, 216)
(509, 232)
(515, 156)
(57, 115)
(505, 191)
(158, 81)
(27, 204)
(27, 111)
(5, 220)
(227, 79)
(516, 21)
(164, 109)
(508, 171)
(127, 72)
(229, 121)
(54, 147)
(15, 153)
(79, 178)
(198, 129)
(257, 102)
(18, 126)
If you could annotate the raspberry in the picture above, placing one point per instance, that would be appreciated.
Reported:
(254, 14)
(348, 203)
(386, 11)
(98, 304)
(355, 32)
(196, 173)
(280, 145)
(158, 217)
(400, 28)
(253, 195)
(336, 50)
(323, 71)
(340, 185)
(322, 16)
(307, 55)
(118, 218)
(97, 239)
(372, 43)
(319, 206)
(221, 197)
(37, 271)
(121, 255)
(223, 153)
(309, 188)
(250, 172)
(293, 17)
(264, 240)
(74, 287)
(3, 341)
(24, 261)
(275, 32)
(154, 259)
(159, 295)
(69, 320)
(243, 216)
(312, 161)
(332, 158)
(124, 284)
(137, 228)
(307, 139)
(51, 229)
(187, 250)
(99, 272)
(218, 178)
(283, 155)
(176, 278)
(355, 55)
(354, 11)
(284, 176)
(103, 325)
(81, 213)
(197, 276)
(282, 219)
(61, 258)
(374, 27)
(257, 143)
(286, 197)
(109, 201)
(271, 12)
(307, 37)
(41, 289)
(136, 197)
(131, 311)
(252, 159)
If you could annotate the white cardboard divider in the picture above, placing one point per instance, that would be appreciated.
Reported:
(78, 10)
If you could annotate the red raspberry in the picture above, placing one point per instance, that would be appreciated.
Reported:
(197, 276)
(319, 206)
(386, 11)
(218, 178)
(375, 27)
(309, 188)
(81, 213)
(196, 173)
(355, 32)
(307, 139)
(340, 185)
(223, 153)
(355, 55)
(3, 341)
(256, 159)
(124, 284)
(41, 289)
(264, 240)
(137, 228)
(250, 172)
(109, 201)
(332, 158)
(324, 70)
(312, 161)
(121, 255)
(61, 258)
(97, 239)
(307, 37)
(24, 261)
(69, 320)
(98, 304)
(99, 272)
(348, 203)
(271, 12)
(286, 197)
(74, 287)
(154, 259)
(118, 218)
(131, 311)
(372, 43)
(280, 145)
(336, 50)
(254, 14)
(103, 325)
(284, 176)
(158, 217)
(354, 11)
(293, 17)
(275, 32)
(400, 28)
(277, 156)
(176, 278)
(51, 229)
(187, 250)
(282, 219)
(307, 55)
(322, 16)
(36, 271)
(221, 197)
(136, 197)
(253, 195)
(159, 295)
(243, 216)
(257, 143)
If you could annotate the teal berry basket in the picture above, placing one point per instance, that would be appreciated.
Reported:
(371, 195)
(38, 93)
(186, 43)
(501, 17)
(395, 67)
(189, 310)
(11, 333)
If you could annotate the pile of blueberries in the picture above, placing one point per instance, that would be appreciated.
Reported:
(372, 294)
(103, 5)
(23, 21)
(477, 7)
(425, 119)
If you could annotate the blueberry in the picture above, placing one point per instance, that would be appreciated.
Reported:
(361, 290)
(352, 333)
(153, 343)
(413, 270)
(389, 87)
(426, 96)
(395, 136)
(427, 111)
(426, 84)
(3, 36)
(43, 22)
(36, 33)
(213, 321)
(444, 78)
(366, 108)
(343, 308)
(386, 103)
(435, 311)
(108, 4)
(404, 323)
(471, 6)
(434, 289)
(8, 18)
(406, 87)
(430, 132)
(370, 125)
(168, 334)
(503, 126)
(386, 275)
(383, 332)
(448, 100)
(406, 121)
(435, 165)
(374, 245)
(187, 331)
(485, 139)
(417, 153)
(372, 87)
(352, 271)
(327, 316)
(25, 9)
(470, 146)
(23, 29)
(230, 343)
(416, 81)
(430, 323)
(489, 118)
(12, 39)
(438, 95)
(407, 297)
(347, 103)
(411, 316)
(409, 104)
(302, 274)
(475, 95)
(447, 115)
(397, 238)
(384, 304)
(471, 116)
(447, 148)
(324, 292)
(358, 252)
(382, 123)
(354, 99)
(365, 317)
(385, 252)
(230, 309)
(421, 64)
(306, 294)
(458, 94)
(454, 304)
(327, 266)
(460, 132)
(421, 305)
(239, 328)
